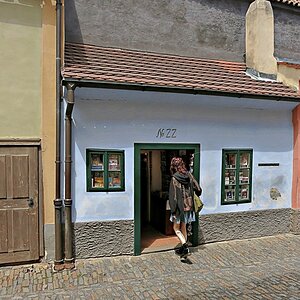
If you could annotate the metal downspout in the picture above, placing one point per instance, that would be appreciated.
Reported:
(69, 257)
(58, 261)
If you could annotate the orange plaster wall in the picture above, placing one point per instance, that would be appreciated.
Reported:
(296, 159)
(48, 109)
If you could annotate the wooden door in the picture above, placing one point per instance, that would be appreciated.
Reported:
(19, 230)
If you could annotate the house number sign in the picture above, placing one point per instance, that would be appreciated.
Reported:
(167, 133)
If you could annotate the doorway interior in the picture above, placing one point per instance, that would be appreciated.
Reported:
(153, 229)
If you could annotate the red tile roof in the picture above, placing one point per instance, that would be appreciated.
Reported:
(147, 70)
(290, 2)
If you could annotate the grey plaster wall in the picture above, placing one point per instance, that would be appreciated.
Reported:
(287, 33)
(201, 28)
(98, 239)
(243, 225)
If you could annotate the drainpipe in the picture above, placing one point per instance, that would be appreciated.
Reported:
(58, 262)
(69, 258)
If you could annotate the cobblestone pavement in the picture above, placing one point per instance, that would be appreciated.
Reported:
(260, 268)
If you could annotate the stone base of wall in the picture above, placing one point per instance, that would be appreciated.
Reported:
(295, 221)
(98, 239)
(243, 225)
(112, 238)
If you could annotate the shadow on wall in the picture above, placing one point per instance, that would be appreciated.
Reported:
(73, 30)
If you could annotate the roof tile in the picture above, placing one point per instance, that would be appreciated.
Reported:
(290, 2)
(110, 65)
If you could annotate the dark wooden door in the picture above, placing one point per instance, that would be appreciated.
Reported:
(19, 230)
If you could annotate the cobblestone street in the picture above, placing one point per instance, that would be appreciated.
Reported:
(261, 268)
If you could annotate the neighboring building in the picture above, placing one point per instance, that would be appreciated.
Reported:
(27, 129)
(170, 80)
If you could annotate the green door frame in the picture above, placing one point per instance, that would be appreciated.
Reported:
(137, 185)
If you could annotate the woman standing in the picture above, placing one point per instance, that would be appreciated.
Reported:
(181, 198)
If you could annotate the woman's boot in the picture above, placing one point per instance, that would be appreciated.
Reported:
(185, 251)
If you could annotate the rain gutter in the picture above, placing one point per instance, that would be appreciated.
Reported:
(167, 89)
(69, 255)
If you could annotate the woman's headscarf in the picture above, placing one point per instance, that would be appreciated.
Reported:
(178, 165)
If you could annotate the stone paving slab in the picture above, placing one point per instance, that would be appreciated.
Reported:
(261, 268)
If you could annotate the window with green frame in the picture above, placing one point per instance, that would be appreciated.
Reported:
(236, 176)
(105, 170)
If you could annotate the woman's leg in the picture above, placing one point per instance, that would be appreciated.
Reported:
(179, 233)
(183, 230)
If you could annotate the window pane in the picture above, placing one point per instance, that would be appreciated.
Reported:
(244, 192)
(244, 160)
(98, 179)
(230, 177)
(229, 195)
(114, 162)
(114, 179)
(230, 160)
(244, 176)
(97, 162)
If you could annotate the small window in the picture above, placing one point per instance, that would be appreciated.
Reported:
(105, 170)
(236, 176)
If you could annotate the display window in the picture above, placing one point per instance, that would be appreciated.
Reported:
(105, 170)
(236, 176)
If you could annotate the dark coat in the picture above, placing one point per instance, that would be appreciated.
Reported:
(176, 197)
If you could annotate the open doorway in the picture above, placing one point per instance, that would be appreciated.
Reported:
(153, 229)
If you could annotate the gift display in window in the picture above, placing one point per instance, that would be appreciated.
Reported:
(229, 195)
(230, 160)
(114, 179)
(244, 192)
(97, 180)
(97, 161)
(244, 160)
(236, 176)
(105, 170)
(230, 177)
(244, 176)
(114, 162)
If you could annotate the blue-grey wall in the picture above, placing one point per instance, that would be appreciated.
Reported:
(114, 119)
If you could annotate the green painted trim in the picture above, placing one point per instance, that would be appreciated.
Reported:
(196, 173)
(137, 183)
(137, 203)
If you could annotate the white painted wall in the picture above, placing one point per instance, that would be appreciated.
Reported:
(112, 119)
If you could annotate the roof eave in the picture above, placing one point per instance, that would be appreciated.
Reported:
(168, 89)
